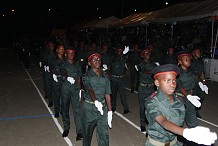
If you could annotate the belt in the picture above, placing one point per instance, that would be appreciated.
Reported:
(147, 85)
(59, 76)
(154, 142)
(118, 76)
(91, 102)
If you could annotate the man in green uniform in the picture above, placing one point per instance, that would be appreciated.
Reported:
(185, 87)
(97, 105)
(57, 78)
(146, 85)
(166, 113)
(118, 70)
(170, 57)
(70, 93)
(106, 59)
(197, 67)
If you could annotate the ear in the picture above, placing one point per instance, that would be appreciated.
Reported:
(89, 63)
(157, 83)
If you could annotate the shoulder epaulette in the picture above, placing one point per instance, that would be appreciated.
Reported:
(151, 96)
(181, 98)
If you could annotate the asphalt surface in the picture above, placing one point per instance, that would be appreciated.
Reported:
(25, 119)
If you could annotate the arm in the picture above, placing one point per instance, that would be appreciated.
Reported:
(108, 101)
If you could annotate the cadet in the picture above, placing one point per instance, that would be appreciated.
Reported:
(166, 112)
(134, 58)
(170, 57)
(57, 78)
(146, 85)
(106, 58)
(185, 87)
(97, 105)
(70, 93)
(118, 70)
(197, 67)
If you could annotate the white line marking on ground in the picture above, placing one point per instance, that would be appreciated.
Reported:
(55, 120)
(198, 118)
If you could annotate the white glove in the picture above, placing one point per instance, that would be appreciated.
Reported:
(126, 66)
(87, 67)
(157, 63)
(200, 135)
(99, 106)
(55, 77)
(109, 118)
(104, 67)
(194, 100)
(126, 50)
(80, 94)
(71, 80)
(206, 89)
(47, 68)
(40, 64)
(201, 85)
(136, 68)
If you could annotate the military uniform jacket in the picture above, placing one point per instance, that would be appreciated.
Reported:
(197, 67)
(187, 80)
(143, 67)
(99, 84)
(159, 104)
(118, 67)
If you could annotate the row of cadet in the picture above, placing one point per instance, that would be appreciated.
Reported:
(70, 73)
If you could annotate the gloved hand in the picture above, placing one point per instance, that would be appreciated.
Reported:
(55, 77)
(87, 67)
(109, 118)
(80, 94)
(194, 100)
(200, 135)
(104, 67)
(157, 63)
(201, 85)
(99, 106)
(206, 89)
(136, 68)
(126, 66)
(126, 50)
(71, 80)
(40, 64)
(47, 68)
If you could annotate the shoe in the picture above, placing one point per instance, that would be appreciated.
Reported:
(132, 90)
(198, 115)
(46, 96)
(113, 109)
(65, 133)
(79, 136)
(50, 104)
(143, 129)
(126, 112)
(56, 115)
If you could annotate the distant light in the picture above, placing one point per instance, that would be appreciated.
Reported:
(49, 10)
(12, 10)
(135, 10)
(97, 9)
(3, 15)
(99, 17)
(167, 3)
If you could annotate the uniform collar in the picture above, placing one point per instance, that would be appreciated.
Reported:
(92, 73)
(161, 96)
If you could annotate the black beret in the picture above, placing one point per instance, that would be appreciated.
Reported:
(91, 54)
(165, 69)
(195, 48)
(182, 53)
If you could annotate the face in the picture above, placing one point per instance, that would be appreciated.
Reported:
(170, 51)
(60, 49)
(105, 48)
(146, 54)
(166, 83)
(196, 53)
(69, 55)
(95, 62)
(185, 61)
(119, 51)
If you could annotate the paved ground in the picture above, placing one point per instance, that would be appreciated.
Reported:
(25, 119)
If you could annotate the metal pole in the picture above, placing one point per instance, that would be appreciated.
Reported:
(214, 49)
(211, 45)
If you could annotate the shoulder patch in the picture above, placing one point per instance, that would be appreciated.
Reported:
(181, 98)
(151, 96)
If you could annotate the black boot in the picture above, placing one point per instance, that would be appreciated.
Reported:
(50, 104)
(56, 115)
(65, 133)
(79, 136)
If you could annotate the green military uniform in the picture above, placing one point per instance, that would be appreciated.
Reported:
(197, 68)
(146, 88)
(188, 81)
(170, 59)
(70, 94)
(118, 71)
(91, 117)
(81, 58)
(56, 69)
(158, 104)
(107, 60)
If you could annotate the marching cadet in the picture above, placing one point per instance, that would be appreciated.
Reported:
(106, 58)
(57, 78)
(71, 93)
(185, 87)
(170, 57)
(48, 75)
(146, 85)
(118, 70)
(197, 67)
(166, 113)
(97, 105)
